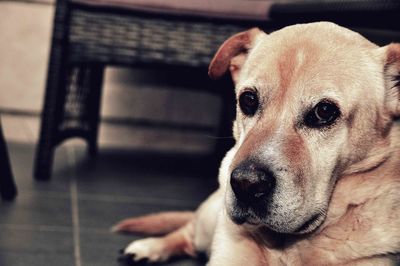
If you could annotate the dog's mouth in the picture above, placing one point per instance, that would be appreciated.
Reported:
(243, 216)
(310, 225)
(239, 216)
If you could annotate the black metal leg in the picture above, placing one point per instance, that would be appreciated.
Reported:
(8, 189)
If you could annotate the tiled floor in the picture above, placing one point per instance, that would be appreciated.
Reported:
(66, 221)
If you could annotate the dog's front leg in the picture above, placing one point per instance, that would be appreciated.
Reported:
(159, 249)
(194, 237)
(234, 247)
(206, 220)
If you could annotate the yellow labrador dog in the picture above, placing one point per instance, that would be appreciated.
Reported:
(314, 176)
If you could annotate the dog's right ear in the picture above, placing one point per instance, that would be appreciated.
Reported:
(392, 75)
(232, 54)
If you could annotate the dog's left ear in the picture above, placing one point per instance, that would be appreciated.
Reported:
(232, 54)
(392, 77)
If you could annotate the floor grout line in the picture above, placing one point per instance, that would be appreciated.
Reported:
(41, 228)
(159, 201)
(165, 202)
(74, 206)
(55, 228)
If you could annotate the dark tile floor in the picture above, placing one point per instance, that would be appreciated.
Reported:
(66, 221)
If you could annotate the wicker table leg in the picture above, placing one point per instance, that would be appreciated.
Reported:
(55, 92)
(225, 139)
(96, 82)
(8, 190)
(49, 137)
(52, 116)
(72, 109)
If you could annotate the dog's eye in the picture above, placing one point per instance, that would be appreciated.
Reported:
(323, 114)
(248, 102)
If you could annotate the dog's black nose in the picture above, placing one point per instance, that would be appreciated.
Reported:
(252, 183)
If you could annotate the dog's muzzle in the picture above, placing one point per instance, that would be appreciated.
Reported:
(252, 184)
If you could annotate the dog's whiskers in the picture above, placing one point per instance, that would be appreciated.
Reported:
(217, 137)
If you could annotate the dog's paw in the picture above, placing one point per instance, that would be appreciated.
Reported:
(149, 250)
(126, 259)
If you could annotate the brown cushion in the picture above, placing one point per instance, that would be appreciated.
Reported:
(232, 9)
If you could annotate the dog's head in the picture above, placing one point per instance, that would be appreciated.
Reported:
(315, 102)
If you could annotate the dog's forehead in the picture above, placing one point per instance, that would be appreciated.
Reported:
(305, 54)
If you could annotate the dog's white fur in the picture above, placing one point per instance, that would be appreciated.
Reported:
(349, 174)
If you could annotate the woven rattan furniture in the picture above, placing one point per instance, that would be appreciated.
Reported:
(88, 35)
(8, 190)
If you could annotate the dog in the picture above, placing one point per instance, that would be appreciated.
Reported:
(314, 176)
